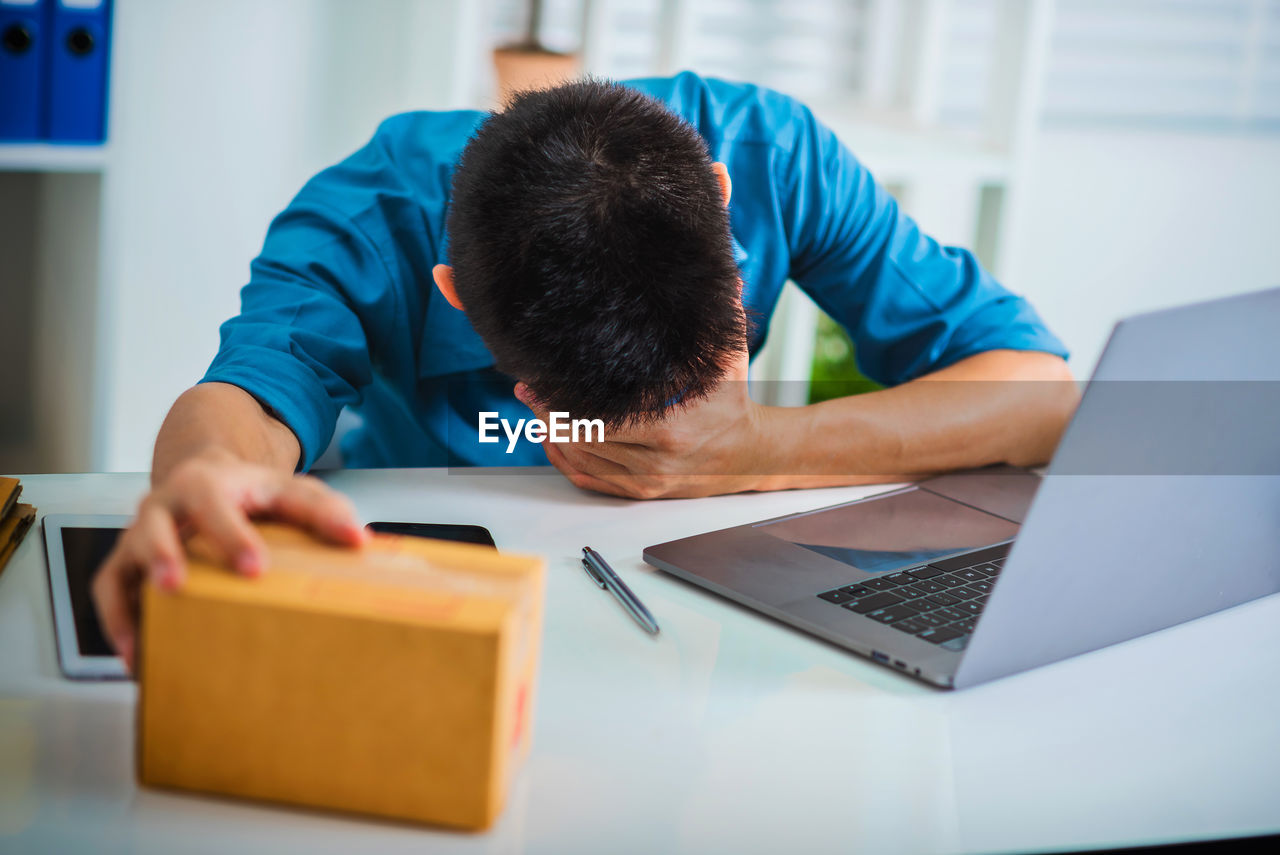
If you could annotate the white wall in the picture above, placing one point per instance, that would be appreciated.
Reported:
(1118, 222)
(220, 111)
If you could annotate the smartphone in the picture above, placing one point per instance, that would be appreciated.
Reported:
(461, 533)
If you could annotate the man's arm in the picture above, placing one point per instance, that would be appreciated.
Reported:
(220, 419)
(1002, 406)
(995, 407)
(220, 459)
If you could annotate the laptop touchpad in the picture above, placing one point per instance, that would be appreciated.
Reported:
(910, 527)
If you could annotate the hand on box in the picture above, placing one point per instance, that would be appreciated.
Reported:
(212, 495)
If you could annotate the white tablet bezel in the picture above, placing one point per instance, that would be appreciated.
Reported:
(74, 664)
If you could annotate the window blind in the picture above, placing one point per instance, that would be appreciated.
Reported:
(1204, 63)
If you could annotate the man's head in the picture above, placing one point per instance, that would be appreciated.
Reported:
(589, 244)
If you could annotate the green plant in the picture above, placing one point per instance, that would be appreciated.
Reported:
(835, 371)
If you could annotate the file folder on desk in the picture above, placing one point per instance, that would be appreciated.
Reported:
(22, 69)
(79, 45)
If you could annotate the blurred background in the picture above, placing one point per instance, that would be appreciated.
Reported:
(1103, 157)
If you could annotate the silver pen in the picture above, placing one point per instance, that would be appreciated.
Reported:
(602, 574)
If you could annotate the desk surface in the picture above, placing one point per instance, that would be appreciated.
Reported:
(733, 733)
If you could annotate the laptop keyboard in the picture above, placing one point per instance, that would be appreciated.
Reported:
(939, 602)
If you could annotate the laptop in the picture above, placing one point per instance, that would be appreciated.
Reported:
(1161, 505)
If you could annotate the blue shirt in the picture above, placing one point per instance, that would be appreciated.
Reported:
(341, 309)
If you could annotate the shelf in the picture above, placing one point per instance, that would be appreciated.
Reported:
(47, 157)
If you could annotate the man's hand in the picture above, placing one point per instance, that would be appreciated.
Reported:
(213, 494)
(719, 444)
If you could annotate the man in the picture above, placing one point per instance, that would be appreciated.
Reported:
(585, 251)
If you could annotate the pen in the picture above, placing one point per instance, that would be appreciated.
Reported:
(602, 574)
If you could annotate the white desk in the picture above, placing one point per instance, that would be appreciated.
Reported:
(726, 733)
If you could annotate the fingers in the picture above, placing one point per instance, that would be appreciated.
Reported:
(557, 459)
(214, 500)
(591, 463)
(326, 512)
(597, 485)
(115, 598)
(155, 545)
(619, 485)
(225, 524)
(150, 547)
(219, 505)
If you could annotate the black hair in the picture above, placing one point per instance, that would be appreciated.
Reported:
(590, 246)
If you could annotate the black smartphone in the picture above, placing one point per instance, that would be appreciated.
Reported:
(440, 531)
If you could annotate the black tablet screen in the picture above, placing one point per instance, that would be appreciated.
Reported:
(84, 550)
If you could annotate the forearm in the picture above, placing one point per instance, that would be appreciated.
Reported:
(995, 407)
(221, 419)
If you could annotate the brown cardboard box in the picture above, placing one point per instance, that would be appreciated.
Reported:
(396, 679)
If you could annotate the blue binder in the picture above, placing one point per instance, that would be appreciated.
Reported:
(22, 77)
(79, 47)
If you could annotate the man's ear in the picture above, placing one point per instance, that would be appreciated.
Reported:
(722, 175)
(443, 274)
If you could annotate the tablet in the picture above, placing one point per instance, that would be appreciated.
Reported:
(76, 545)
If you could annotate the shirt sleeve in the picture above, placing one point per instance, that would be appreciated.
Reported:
(910, 305)
(298, 344)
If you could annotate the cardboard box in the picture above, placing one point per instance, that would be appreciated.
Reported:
(395, 680)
